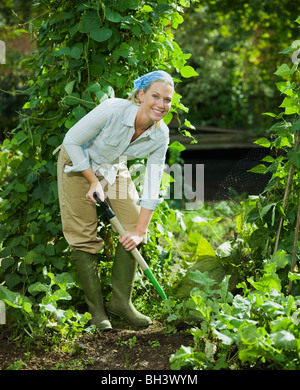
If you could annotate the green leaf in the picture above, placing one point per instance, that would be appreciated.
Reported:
(269, 114)
(188, 71)
(87, 100)
(294, 158)
(61, 52)
(261, 168)
(263, 142)
(284, 339)
(64, 280)
(176, 19)
(124, 5)
(12, 280)
(20, 251)
(291, 105)
(287, 50)
(286, 88)
(202, 278)
(241, 307)
(168, 45)
(280, 258)
(26, 105)
(146, 27)
(136, 30)
(112, 16)
(204, 248)
(79, 112)
(15, 300)
(61, 294)
(38, 287)
(201, 306)
(296, 126)
(109, 91)
(72, 99)
(6, 263)
(101, 35)
(292, 276)
(182, 358)
(20, 187)
(227, 339)
(266, 283)
(224, 250)
(248, 334)
(176, 145)
(76, 50)
(69, 87)
(89, 22)
(146, 8)
(283, 71)
(95, 87)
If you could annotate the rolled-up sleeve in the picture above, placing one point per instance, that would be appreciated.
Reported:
(81, 133)
(154, 171)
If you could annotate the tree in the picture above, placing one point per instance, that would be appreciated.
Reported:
(234, 44)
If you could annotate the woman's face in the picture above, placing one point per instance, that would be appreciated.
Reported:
(156, 102)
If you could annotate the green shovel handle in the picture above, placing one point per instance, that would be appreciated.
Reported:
(139, 258)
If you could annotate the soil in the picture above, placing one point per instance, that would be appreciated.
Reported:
(122, 348)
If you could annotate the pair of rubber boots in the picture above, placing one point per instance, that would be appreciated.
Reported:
(122, 277)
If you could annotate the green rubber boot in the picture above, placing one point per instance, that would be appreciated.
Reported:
(86, 264)
(122, 278)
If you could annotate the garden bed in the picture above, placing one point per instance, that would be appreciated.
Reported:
(120, 349)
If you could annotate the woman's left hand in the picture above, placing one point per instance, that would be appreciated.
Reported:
(131, 240)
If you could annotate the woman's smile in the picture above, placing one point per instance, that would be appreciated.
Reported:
(158, 112)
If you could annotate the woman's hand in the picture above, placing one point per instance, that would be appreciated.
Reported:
(95, 187)
(131, 240)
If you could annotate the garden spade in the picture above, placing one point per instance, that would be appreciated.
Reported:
(119, 228)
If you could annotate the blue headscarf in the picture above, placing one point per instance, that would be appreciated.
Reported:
(143, 81)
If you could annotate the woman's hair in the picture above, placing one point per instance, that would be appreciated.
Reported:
(134, 95)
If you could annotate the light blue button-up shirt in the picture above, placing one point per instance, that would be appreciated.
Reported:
(102, 140)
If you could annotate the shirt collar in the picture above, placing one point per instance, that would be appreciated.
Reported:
(130, 115)
(129, 120)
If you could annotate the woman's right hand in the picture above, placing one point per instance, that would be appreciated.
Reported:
(95, 187)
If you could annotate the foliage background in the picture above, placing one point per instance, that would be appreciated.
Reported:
(235, 50)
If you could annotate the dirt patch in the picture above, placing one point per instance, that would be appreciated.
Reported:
(119, 349)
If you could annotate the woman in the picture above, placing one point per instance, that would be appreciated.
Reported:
(90, 160)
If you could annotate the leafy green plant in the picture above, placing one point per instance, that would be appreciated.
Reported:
(68, 322)
(42, 311)
(258, 328)
(270, 221)
(154, 343)
(258, 325)
(17, 365)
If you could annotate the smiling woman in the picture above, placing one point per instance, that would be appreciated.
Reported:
(90, 161)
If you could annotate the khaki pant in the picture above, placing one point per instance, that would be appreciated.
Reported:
(79, 214)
